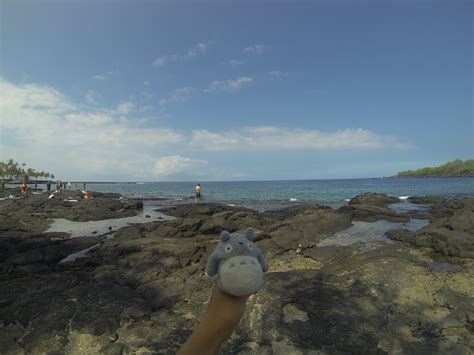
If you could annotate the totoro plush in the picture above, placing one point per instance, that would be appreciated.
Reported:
(238, 263)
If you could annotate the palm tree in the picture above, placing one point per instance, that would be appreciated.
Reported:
(29, 173)
(3, 169)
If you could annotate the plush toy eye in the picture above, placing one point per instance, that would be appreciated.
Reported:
(250, 246)
(228, 248)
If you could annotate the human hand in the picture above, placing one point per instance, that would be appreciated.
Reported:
(221, 318)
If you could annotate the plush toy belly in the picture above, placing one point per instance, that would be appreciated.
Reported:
(240, 275)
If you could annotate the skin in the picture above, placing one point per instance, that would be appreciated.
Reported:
(222, 316)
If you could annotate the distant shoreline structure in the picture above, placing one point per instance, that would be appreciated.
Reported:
(42, 182)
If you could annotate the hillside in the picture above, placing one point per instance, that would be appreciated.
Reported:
(455, 168)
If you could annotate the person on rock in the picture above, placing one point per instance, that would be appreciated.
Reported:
(24, 189)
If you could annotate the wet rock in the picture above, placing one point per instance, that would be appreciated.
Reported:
(432, 200)
(372, 213)
(134, 205)
(306, 229)
(402, 235)
(199, 209)
(450, 235)
(229, 220)
(446, 242)
(373, 199)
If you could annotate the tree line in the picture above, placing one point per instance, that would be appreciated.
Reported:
(455, 168)
(13, 170)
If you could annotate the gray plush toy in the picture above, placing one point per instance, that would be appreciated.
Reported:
(238, 263)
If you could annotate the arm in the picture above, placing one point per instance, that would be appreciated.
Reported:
(222, 316)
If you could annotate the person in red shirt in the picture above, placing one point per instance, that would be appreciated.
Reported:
(24, 189)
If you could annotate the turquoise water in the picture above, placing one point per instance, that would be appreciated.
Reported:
(325, 191)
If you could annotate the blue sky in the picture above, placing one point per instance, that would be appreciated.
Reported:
(142, 90)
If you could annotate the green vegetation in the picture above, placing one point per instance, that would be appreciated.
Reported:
(455, 168)
(12, 170)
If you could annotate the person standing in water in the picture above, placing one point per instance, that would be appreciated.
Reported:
(48, 186)
(197, 190)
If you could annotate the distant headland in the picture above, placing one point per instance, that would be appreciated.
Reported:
(455, 168)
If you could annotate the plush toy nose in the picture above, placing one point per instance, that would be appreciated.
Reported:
(241, 243)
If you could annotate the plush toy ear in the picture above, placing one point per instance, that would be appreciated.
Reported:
(225, 236)
(212, 265)
(249, 234)
(263, 262)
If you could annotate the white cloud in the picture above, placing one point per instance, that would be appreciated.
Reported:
(91, 97)
(235, 63)
(277, 138)
(201, 47)
(176, 164)
(125, 107)
(276, 74)
(197, 49)
(146, 108)
(257, 49)
(89, 119)
(103, 76)
(178, 95)
(229, 85)
(47, 130)
(160, 61)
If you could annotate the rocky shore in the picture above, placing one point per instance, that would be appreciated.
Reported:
(142, 287)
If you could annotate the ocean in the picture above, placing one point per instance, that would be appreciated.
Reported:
(262, 195)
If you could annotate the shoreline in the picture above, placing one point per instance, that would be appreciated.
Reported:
(276, 194)
(252, 203)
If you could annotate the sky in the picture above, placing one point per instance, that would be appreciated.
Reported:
(241, 90)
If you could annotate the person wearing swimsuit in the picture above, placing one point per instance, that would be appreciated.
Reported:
(24, 189)
(197, 190)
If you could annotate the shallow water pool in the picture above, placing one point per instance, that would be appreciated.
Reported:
(366, 232)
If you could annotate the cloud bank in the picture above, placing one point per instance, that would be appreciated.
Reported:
(47, 130)
(43, 127)
(278, 138)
